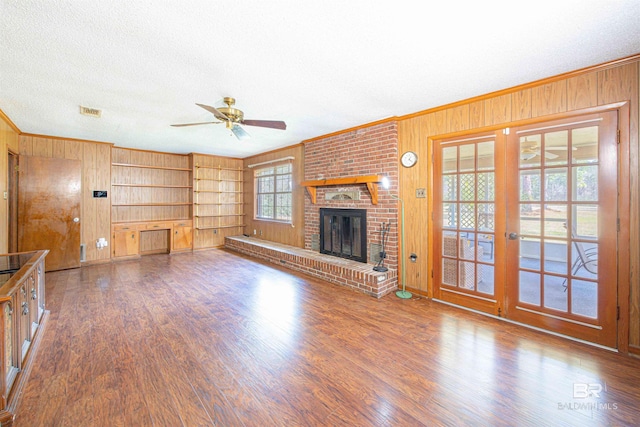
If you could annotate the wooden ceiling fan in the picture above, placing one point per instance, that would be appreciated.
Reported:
(232, 118)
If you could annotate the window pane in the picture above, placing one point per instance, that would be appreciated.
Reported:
(265, 184)
(585, 183)
(449, 187)
(486, 156)
(450, 159)
(584, 145)
(486, 186)
(556, 148)
(265, 171)
(530, 185)
(265, 205)
(467, 186)
(530, 150)
(467, 158)
(555, 184)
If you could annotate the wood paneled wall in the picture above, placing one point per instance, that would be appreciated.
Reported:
(9, 140)
(573, 92)
(96, 175)
(214, 237)
(289, 234)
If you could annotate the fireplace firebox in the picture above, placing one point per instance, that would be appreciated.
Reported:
(343, 233)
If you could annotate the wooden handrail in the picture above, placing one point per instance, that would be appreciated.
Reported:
(370, 180)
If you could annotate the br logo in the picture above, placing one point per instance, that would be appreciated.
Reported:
(584, 390)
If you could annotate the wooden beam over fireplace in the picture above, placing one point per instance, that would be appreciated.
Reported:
(370, 180)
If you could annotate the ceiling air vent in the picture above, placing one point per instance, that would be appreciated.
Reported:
(93, 112)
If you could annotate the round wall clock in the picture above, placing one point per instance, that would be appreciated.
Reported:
(409, 159)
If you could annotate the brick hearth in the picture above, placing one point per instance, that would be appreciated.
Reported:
(352, 274)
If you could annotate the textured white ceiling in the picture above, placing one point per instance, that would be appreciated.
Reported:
(321, 66)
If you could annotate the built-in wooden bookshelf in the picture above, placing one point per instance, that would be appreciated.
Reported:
(151, 202)
(218, 200)
(149, 186)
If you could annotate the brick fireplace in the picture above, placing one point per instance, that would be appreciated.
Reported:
(362, 152)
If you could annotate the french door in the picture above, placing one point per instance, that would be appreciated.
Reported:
(527, 225)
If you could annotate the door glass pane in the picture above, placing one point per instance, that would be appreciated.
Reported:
(450, 215)
(486, 152)
(584, 258)
(555, 221)
(556, 148)
(486, 243)
(467, 245)
(485, 279)
(530, 150)
(586, 221)
(555, 295)
(449, 159)
(467, 157)
(584, 298)
(529, 291)
(468, 186)
(529, 185)
(449, 272)
(555, 256)
(530, 219)
(486, 216)
(450, 187)
(450, 244)
(585, 187)
(530, 253)
(555, 185)
(467, 216)
(584, 144)
(467, 275)
(486, 186)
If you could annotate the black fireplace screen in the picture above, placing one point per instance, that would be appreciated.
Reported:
(343, 233)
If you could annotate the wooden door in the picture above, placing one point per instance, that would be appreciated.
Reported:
(469, 222)
(49, 200)
(562, 227)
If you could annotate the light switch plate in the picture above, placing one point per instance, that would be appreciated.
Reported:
(421, 193)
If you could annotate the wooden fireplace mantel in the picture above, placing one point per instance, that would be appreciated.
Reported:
(370, 180)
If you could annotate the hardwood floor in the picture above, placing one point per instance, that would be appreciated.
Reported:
(215, 338)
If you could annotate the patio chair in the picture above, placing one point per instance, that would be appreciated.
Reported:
(587, 258)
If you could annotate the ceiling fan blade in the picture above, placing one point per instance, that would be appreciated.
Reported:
(274, 124)
(195, 124)
(240, 133)
(550, 156)
(219, 115)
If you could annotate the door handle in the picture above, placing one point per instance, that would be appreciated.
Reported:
(513, 236)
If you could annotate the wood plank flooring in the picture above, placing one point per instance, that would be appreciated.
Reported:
(216, 338)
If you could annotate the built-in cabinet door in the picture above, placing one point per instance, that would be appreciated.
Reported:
(126, 243)
(182, 236)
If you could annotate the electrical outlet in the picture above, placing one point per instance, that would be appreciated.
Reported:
(215, 231)
(254, 231)
(261, 232)
(421, 193)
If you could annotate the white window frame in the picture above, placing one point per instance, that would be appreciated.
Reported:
(274, 173)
